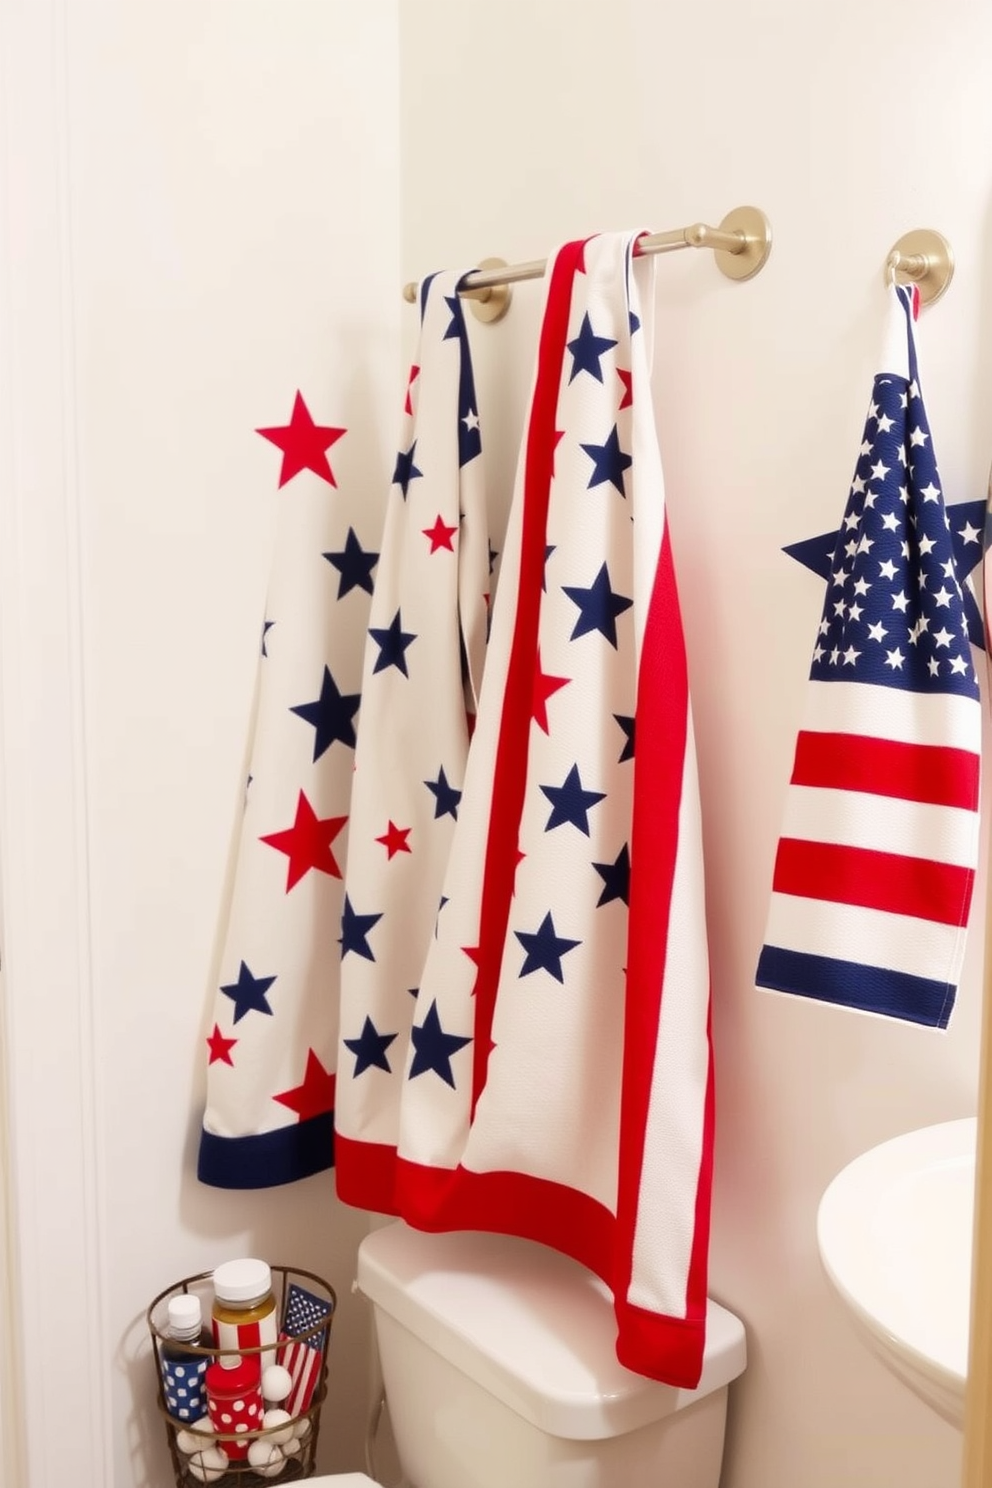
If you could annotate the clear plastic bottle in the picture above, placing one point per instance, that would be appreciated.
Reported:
(244, 1313)
(184, 1358)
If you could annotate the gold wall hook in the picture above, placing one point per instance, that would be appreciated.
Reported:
(924, 258)
(490, 303)
(755, 231)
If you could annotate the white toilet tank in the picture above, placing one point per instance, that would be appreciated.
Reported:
(498, 1358)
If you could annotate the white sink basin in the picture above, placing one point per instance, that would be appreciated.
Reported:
(895, 1232)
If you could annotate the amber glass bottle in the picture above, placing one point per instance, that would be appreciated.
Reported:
(244, 1313)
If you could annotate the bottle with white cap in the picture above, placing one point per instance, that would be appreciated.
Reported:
(244, 1313)
(184, 1358)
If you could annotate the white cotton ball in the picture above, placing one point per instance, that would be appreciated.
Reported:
(302, 1427)
(266, 1458)
(291, 1447)
(277, 1418)
(209, 1465)
(276, 1383)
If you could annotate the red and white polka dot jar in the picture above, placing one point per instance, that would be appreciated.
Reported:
(234, 1402)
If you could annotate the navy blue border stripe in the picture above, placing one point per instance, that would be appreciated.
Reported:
(872, 989)
(269, 1158)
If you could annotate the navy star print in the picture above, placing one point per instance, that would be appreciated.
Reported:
(406, 470)
(570, 802)
(598, 607)
(627, 724)
(446, 798)
(544, 949)
(248, 993)
(469, 433)
(355, 930)
(392, 645)
(331, 716)
(616, 878)
(354, 565)
(433, 1048)
(370, 1048)
(586, 349)
(610, 462)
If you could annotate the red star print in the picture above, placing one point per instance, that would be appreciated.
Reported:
(440, 535)
(394, 840)
(315, 1095)
(303, 444)
(472, 952)
(307, 843)
(628, 394)
(544, 687)
(220, 1047)
(414, 374)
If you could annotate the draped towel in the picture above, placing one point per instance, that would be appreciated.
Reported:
(271, 1075)
(876, 863)
(422, 674)
(558, 1079)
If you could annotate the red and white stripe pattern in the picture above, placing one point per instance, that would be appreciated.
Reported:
(875, 867)
(233, 1339)
(304, 1363)
(558, 1079)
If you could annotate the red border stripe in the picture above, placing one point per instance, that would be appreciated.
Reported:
(510, 769)
(659, 770)
(874, 880)
(932, 773)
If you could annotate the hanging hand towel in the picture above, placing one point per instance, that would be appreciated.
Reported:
(269, 1115)
(423, 669)
(875, 866)
(558, 1081)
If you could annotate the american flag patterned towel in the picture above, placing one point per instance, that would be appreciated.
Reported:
(558, 1082)
(270, 1080)
(423, 672)
(875, 866)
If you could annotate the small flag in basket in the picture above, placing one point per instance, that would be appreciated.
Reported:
(303, 1357)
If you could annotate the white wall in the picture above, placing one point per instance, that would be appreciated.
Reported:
(200, 214)
(849, 124)
(196, 199)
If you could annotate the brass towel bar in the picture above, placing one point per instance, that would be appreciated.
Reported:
(741, 245)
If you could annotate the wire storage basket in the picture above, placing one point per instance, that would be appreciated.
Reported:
(268, 1445)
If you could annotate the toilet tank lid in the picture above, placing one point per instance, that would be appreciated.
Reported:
(532, 1326)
